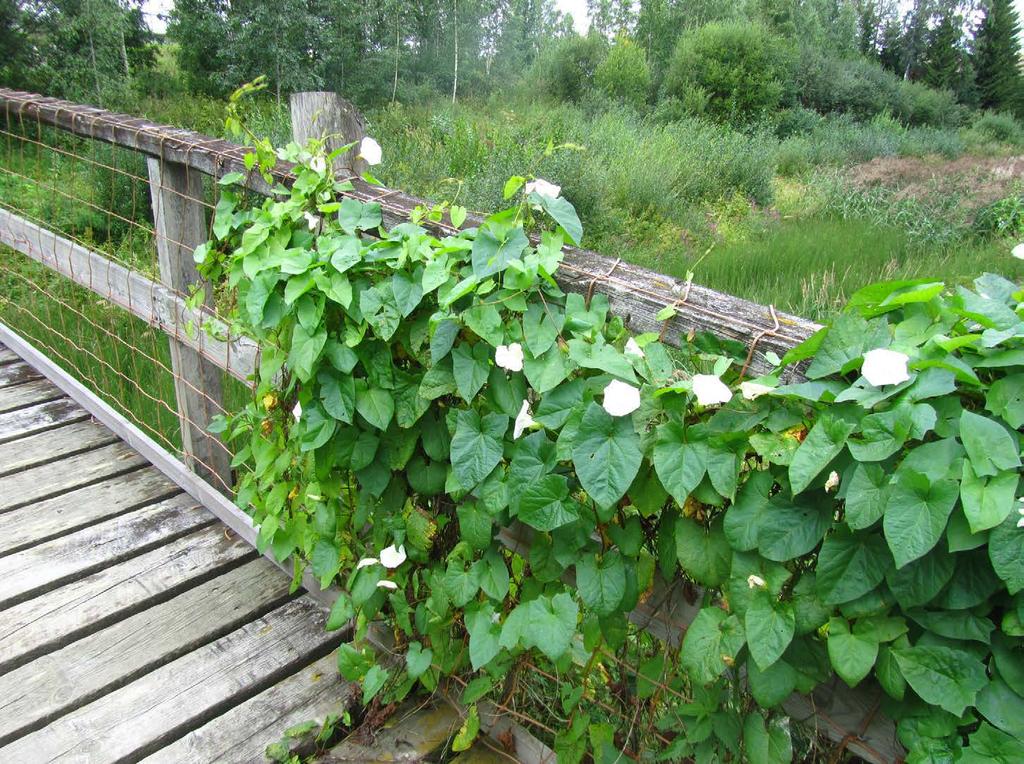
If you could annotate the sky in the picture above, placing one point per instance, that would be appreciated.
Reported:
(578, 8)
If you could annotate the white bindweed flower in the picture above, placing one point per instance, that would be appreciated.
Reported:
(370, 151)
(544, 188)
(509, 357)
(385, 583)
(710, 390)
(754, 390)
(297, 411)
(833, 482)
(367, 562)
(754, 581)
(633, 349)
(885, 367)
(318, 165)
(523, 420)
(393, 556)
(620, 398)
(1018, 251)
(313, 221)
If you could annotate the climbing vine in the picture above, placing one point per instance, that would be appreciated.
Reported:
(426, 391)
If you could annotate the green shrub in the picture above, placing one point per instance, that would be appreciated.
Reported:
(796, 121)
(1003, 217)
(997, 127)
(624, 74)
(863, 89)
(567, 68)
(742, 67)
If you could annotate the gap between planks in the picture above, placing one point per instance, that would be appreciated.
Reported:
(51, 445)
(155, 710)
(110, 658)
(75, 610)
(20, 489)
(39, 569)
(82, 507)
(39, 418)
(28, 394)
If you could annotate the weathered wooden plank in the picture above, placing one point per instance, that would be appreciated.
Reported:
(74, 510)
(50, 445)
(17, 373)
(7, 356)
(49, 622)
(40, 568)
(411, 735)
(86, 669)
(180, 222)
(241, 735)
(20, 489)
(151, 301)
(324, 114)
(44, 416)
(27, 394)
(171, 701)
(635, 293)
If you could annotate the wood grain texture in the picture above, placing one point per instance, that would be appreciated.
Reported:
(19, 489)
(51, 445)
(71, 511)
(410, 735)
(180, 224)
(54, 684)
(241, 735)
(43, 416)
(57, 618)
(151, 301)
(635, 293)
(7, 356)
(20, 396)
(325, 114)
(46, 566)
(17, 373)
(171, 701)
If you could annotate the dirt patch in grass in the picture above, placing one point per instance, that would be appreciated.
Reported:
(979, 180)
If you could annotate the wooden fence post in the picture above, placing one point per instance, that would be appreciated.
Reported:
(180, 225)
(316, 114)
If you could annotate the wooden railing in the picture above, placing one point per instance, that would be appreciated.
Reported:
(177, 160)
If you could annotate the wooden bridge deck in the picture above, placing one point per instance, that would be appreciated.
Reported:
(133, 624)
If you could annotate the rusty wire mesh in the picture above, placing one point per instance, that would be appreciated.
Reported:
(98, 197)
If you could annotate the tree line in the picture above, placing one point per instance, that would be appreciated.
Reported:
(638, 51)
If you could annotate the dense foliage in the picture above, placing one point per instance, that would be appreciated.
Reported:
(424, 388)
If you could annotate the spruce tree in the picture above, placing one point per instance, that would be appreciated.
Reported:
(996, 60)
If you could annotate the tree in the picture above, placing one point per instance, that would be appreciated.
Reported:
(200, 29)
(18, 62)
(741, 68)
(943, 61)
(996, 60)
(624, 74)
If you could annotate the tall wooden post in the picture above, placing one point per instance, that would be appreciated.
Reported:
(180, 224)
(317, 114)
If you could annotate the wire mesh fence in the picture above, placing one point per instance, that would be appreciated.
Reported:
(81, 193)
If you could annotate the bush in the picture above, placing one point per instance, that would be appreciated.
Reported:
(624, 74)
(567, 68)
(796, 121)
(742, 67)
(863, 89)
(1003, 217)
(995, 127)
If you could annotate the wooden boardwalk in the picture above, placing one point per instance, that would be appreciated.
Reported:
(134, 626)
